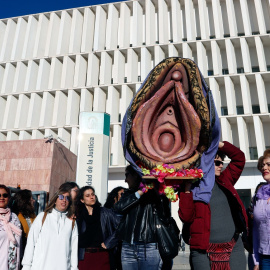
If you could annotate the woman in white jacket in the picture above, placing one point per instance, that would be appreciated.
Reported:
(52, 242)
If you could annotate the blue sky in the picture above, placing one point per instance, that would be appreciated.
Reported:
(14, 8)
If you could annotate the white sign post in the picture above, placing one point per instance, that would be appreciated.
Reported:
(93, 152)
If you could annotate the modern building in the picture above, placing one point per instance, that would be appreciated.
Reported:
(55, 65)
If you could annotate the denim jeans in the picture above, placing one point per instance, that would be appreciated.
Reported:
(264, 262)
(140, 256)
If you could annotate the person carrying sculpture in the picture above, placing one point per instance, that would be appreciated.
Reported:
(261, 220)
(215, 227)
(136, 230)
(52, 242)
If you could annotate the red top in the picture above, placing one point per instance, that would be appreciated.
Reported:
(198, 213)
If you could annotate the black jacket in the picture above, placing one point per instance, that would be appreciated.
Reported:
(138, 219)
(109, 222)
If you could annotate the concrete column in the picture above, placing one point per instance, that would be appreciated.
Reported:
(132, 66)
(34, 111)
(246, 17)
(124, 26)
(159, 55)
(218, 23)
(73, 108)
(53, 34)
(100, 28)
(18, 41)
(187, 52)
(64, 34)
(67, 78)
(86, 102)
(216, 57)
(99, 100)
(19, 78)
(245, 55)
(126, 97)
(105, 69)
(243, 138)
(116, 147)
(112, 104)
(190, 20)
(41, 37)
(74, 140)
(88, 30)
(2, 34)
(204, 20)
(30, 36)
(231, 58)
(226, 130)
(80, 71)
(22, 112)
(10, 113)
(172, 51)
(260, 16)
(112, 28)
(55, 74)
(261, 93)
(261, 54)
(231, 18)
(259, 134)
(76, 32)
(31, 76)
(118, 70)
(214, 86)
(230, 95)
(177, 19)
(12, 136)
(202, 58)
(48, 132)
(92, 70)
(46, 110)
(59, 109)
(2, 71)
(150, 23)
(3, 102)
(137, 25)
(245, 90)
(65, 136)
(8, 79)
(24, 135)
(163, 27)
(37, 134)
(43, 75)
(8, 40)
(146, 60)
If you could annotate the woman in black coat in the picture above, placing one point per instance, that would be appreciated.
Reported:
(96, 227)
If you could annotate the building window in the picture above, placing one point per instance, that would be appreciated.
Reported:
(253, 152)
(139, 78)
(224, 111)
(225, 71)
(125, 80)
(111, 159)
(227, 35)
(212, 37)
(255, 33)
(269, 108)
(239, 109)
(184, 39)
(111, 80)
(256, 109)
(210, 72)
(240, 70)
(255, 69)
(119, 117)
(198, 38)
(268, 67)
(241, 34)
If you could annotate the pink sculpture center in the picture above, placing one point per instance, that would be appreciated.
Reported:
(166, 141)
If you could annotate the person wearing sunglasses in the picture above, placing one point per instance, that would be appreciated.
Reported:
(213, 230)
(10, 233)
(52, 241)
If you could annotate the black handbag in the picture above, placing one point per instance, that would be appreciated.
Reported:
(167, 235)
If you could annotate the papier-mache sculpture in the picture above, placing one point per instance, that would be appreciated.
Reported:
(171, 128)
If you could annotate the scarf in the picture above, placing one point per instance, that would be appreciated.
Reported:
(263, 193)
(10, 228)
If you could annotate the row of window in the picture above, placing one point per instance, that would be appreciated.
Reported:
(240, 110)
(225, 71)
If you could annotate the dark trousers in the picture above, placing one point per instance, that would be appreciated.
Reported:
(95, 261)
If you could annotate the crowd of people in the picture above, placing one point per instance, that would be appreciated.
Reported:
(76, 232)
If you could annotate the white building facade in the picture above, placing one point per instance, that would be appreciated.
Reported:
(55, 65)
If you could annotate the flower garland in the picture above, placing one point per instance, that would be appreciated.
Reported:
(162, 171)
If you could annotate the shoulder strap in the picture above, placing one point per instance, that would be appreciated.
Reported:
(44, 217)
